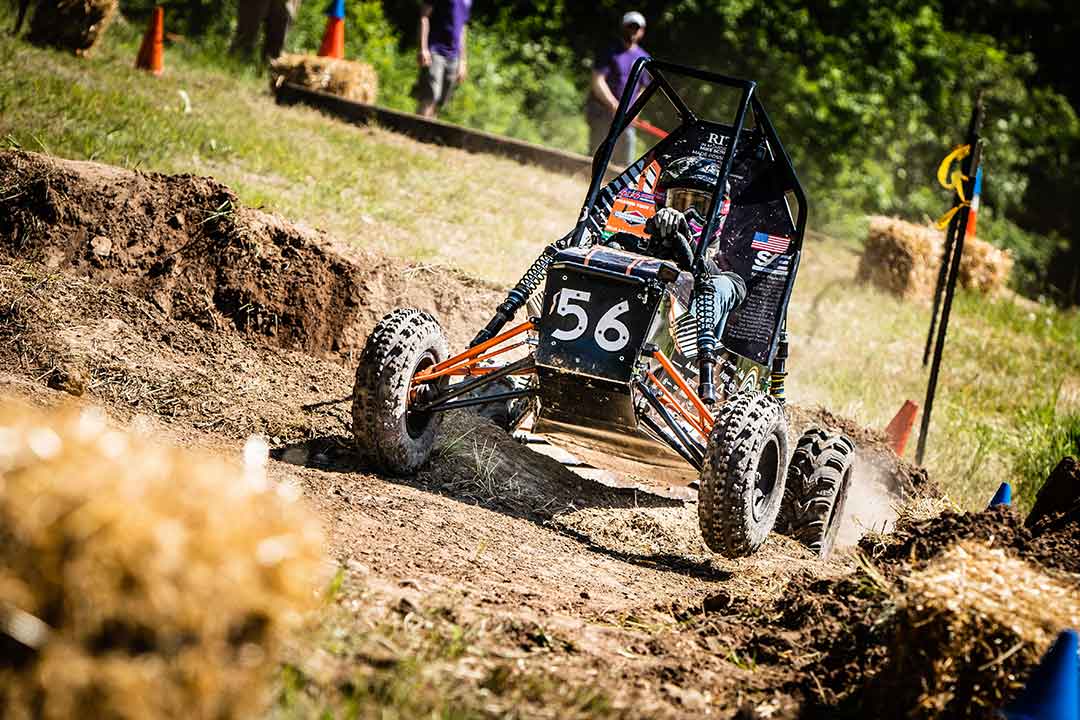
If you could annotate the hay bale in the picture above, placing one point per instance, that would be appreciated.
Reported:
(350, 79)
(75, 25)
(983, 267)
(970, 627)
(904, 259)
(900, 257)
(139, 581)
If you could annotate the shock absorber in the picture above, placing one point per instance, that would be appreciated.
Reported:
(705, 314)
(779, 369)
(518, 295)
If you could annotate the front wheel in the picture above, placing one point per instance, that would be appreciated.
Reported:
(742, 481)
(818, 480)
(392, 438)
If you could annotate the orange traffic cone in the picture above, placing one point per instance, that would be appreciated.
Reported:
(899, 430)
(333, 41)
(152, 50)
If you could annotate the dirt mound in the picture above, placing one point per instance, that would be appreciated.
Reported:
(85, 338)
(1060, 493)
(1054, 521)
(968, 624)
(186, 244)
(1052, 542)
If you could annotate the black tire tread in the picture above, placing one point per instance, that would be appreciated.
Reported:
(814, 484)
(742, 427)
(380, 393)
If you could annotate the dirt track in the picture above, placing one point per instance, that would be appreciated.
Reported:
(163, 300)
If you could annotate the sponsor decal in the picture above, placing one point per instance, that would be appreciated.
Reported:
(639, 195)
(770, 243)
(631, 217)
(749, 381)
(771, 263)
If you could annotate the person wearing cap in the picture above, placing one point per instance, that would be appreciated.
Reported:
(610, 74)
(441, 55)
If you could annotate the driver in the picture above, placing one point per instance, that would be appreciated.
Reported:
(688, 184)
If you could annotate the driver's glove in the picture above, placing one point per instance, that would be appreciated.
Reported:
(669, 234)
(666, 224)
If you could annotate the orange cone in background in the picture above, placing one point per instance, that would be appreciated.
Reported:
(899, 430)
(152, 51)
(333, 41)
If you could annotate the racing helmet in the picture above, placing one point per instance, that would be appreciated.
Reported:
(688, 183)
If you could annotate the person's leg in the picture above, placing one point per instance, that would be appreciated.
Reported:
(599, 123)
(278, 19)
(631, 146)
(249, 18)
(729, 292)
(429, 86)
(449, 82)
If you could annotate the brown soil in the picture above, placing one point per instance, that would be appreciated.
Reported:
(205, 322)
(185, 244)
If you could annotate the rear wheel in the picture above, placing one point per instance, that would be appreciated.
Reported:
(394, 439)
(818, 480)
(742, 481)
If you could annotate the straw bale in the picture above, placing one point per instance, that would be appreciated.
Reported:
(984, 267)
(139, 581)
(904, 258)
(350, 79)
(75, 25)
(969, 627)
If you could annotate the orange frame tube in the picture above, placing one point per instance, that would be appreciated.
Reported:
(671, 402)
(465, 363)
(670, 369)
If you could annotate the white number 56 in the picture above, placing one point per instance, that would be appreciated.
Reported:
(609, 322)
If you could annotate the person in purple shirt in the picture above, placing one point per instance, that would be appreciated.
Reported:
(441, 55)
(610, 73)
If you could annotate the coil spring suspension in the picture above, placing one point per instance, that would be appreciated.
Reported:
(518, 295)
(779, 368)
(705, 314)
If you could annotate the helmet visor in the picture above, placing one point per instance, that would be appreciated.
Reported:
(683, 199)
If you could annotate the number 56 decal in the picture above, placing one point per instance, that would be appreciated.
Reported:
(610, 333)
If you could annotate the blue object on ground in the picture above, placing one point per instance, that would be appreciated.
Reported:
(1053, 690)
(1003, 496)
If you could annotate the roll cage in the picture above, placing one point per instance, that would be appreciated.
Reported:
(760, 238)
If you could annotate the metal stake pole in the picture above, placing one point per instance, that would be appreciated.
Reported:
(970, 168)
(943, 274)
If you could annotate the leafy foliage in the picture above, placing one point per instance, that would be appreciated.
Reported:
(868, 96)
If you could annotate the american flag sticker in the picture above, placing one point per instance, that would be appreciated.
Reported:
(770, 243)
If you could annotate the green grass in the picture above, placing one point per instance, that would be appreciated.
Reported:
(1009, 395)
(405, 661)
(488, 216)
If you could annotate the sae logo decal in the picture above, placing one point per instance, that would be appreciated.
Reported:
(771, 263)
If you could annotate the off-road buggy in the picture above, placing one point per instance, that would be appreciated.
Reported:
(613, 365)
